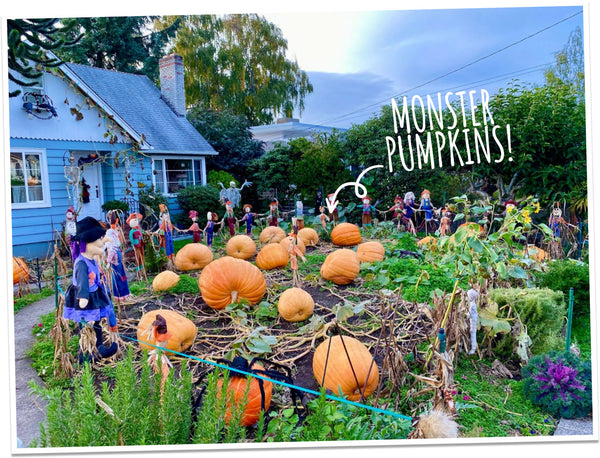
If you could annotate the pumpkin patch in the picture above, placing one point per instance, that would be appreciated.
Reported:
(272, 256)
(341, 267)
(370, 251)
(241, 247)
(165, 280)
(346, 234)
(193, 256)
(272, 234)
(295, 304)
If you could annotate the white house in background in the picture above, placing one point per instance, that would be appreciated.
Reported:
(286, 129)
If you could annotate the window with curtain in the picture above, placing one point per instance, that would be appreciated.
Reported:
(173, 174)
(28, 178)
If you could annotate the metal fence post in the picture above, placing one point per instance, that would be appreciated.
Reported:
(569, 322)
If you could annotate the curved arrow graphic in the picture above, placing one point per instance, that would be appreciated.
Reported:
(359, 189)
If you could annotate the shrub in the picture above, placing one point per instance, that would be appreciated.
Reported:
(560, 383)
(214, 177)
(186, 284)
(565, 274)
(200, 198)
(115, 205)
(542, 311)
(151, 199)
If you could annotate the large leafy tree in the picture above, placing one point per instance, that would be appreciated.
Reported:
(128, 44)
(569, 66)
(238, 62)
(229, 134)
(28, 43)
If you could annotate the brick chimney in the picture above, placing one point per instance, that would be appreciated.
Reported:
(172, 85)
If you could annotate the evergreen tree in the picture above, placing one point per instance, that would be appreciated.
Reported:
(28, 43)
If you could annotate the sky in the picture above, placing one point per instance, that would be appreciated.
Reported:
(357, 61)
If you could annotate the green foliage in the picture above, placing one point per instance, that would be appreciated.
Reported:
(126, 43)
(151, 198)
(133, 412)
(154, 261)
(214, 177)
(28, 41)
(200, 198)
(238, 62)
(26, 299)
(541, 311)
(186, 285)
(115, 205)
(497, 405)
(229, 134)
(329, 421)
(564, 274)
(560, 383)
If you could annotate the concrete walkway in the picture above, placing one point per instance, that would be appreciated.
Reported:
(31, 410)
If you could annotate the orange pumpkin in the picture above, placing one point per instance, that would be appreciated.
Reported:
(183, 330)
(241, 247)
(370, 252)
(341, 266)
(309, 236)
(346, 234)
(537, 253)
(193, 256)
(227, 280)
(429, 240)
(285, 243)
(295, 304)
(20, 271)
(237, 384)
(164, 281)
(340, 366)
(272, 234)
(272, 256)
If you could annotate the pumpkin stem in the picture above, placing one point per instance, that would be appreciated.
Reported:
(234, 296)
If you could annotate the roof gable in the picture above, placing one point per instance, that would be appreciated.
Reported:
(140, 109)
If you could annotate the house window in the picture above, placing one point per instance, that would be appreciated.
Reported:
(173, 174)
(28, 179)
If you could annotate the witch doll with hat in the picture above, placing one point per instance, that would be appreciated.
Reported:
(114, 257)
(87, 300)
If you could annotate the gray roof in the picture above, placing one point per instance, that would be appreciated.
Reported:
(137, 102)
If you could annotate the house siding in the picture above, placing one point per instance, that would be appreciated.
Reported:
(35, 229)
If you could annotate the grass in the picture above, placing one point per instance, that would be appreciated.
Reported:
(23, 301)
(495, 407)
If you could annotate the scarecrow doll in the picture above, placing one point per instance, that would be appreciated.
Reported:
(555, 220)
(299, 213)
(211, 222)
(445, 222)
(294, 252)
(194, 228)
(334, 214)
(323, 218)
(229, 218)
(248, 218)
(165, 232)
(88, 301)
(367, 211)
(136, 238)
(70, 231)
(398, 209)
(273, 216)
(114, 257)
(426, 205)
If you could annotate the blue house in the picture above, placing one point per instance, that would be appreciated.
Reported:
(85, 136)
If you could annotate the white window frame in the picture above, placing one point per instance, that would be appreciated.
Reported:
(46, 202)
(202, 171)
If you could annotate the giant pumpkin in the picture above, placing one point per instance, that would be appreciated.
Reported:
(164, 281)
(272, 256)
(272, 234)
(341, 266)
(309, 236)
(295, 304)
(20, 271)
(241, 247)
(193, 256)
(346, 234)
(237, 384)
(227, 280)
(345, 364)
(370, 251)
(183, 330)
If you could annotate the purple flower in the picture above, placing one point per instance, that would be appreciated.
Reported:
(466, 397)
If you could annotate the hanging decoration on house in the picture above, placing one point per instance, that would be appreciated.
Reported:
(72, 174)
(85, 194)
(38, 105)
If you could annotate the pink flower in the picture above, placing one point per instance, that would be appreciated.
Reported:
(40, 325)
(466, 397)
(453, 392)
(464, 377)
